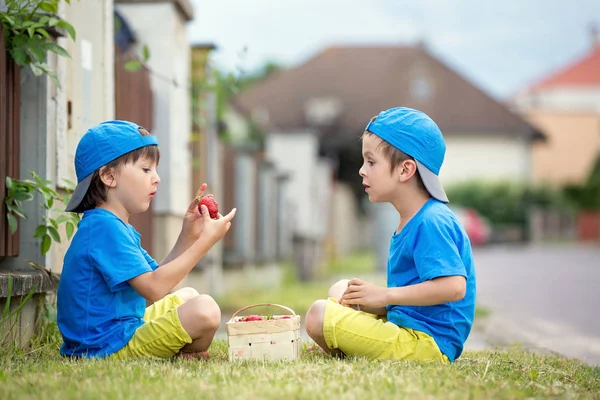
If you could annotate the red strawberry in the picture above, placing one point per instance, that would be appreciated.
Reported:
(253, 318)
(285, 317)
(211, 204)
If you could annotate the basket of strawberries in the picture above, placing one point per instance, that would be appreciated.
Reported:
(260, 337)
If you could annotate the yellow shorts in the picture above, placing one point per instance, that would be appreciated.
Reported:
(357, 333)
(161, 335)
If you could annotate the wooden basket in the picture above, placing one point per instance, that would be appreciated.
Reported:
(272, 339)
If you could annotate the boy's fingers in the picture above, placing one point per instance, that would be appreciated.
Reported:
(230, 216)
(355, 281)
(205, 213)
(201, 190)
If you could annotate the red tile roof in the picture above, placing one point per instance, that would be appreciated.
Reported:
(583, 72)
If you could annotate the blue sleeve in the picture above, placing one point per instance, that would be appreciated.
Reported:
(151, 261)
(436, 253)
(117, 254)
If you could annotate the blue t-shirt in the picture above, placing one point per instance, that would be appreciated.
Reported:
(433, 244)
(98, 311)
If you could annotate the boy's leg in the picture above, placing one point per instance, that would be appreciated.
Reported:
(182, 323)
(200, 316)
(198, 347)
(355, 333)
(314, 326)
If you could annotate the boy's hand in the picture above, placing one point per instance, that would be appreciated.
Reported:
(193, 221)
(365, 294)
(215, 229)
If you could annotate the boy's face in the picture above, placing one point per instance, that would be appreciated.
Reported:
(380, 184)
(136, 185)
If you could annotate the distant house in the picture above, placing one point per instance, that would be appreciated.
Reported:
(328, 101)
(566, 104)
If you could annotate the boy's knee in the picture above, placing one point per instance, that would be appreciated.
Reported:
(186, 293)
(337, 289)
(206, 312)
(314, 318)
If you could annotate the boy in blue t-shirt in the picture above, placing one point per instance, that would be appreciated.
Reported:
(107, 276)
(426, 311)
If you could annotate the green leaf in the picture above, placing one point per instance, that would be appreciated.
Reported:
(38, 53)
(31, 31)
(54, 78)
(53, 222)
(40, 231)
(22, 196)
(43, 33)
(133, 65)
(19, 40)
(46, 242)
(9, 182)
(37, 71)
(19, 56)
(17, 210)
(70, 228)
(146, 52)
(62, 219)
(8, 19)
(49, 7)
(53, 21)
(12, 223)
(67, 27)
(54, 233)
(53, 47)
(70, 183)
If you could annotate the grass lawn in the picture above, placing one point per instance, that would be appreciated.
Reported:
(42, 373)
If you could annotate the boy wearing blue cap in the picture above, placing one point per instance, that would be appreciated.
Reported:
(427, 309)
(107, 276)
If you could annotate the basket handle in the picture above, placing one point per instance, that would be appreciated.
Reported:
(262, 305)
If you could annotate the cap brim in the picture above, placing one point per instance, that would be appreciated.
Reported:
(79, 193)
(432, 183)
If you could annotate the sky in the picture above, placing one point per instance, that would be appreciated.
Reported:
(501, 46)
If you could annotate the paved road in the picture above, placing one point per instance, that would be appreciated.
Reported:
(548, 296)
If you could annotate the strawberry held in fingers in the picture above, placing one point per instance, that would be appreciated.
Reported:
(210, 203)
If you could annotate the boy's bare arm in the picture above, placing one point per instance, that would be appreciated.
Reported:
(155, 285)
(429, 293)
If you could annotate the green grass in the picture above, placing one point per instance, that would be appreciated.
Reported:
(481, 312)
(357, 263)
(42, 373)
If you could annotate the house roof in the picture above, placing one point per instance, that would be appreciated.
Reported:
(362, 81)
(583, 72)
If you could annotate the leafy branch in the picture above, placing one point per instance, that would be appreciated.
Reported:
(29, 26)
(19, 191)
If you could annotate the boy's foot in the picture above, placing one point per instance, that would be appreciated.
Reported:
(314, 347)
(197, 355)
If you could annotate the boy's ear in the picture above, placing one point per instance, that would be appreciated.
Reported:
(406, 170)
(107, 176)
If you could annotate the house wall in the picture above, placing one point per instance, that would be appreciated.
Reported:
(296, 153)
(571, 149)
(580, 99)
(170, 65)
(85, 96)
(346, 233)
(493, 157)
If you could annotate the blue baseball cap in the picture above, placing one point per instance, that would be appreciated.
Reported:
(100, 145)
(414, 133)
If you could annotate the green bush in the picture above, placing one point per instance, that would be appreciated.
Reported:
(504, 202)
(587, 195)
